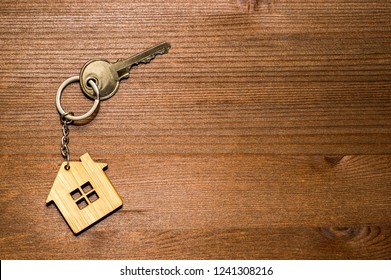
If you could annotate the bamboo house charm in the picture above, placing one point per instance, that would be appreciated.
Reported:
(83, 193)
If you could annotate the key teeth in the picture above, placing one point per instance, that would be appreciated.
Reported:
(152, 56)
(165, 50)
(123, 70)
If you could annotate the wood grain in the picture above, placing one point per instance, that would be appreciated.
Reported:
(264, 133)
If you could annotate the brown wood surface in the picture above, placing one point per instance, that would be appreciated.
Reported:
(264, 133)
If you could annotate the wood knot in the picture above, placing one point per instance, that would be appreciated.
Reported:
(333, 160)
(345, 234)
(251, 6)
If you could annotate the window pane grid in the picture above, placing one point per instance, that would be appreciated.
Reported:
(84, 195)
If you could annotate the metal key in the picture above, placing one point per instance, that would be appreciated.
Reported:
(107, 75)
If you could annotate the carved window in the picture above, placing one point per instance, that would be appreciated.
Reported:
(84, 196)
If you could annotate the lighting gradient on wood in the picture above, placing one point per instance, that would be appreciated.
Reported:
(265, 132)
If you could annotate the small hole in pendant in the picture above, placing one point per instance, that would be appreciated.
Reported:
(82, 203)
(91, 79)
(76, 194)
(92, 197)
(86, 187)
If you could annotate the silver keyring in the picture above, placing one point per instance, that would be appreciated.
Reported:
(66, 114)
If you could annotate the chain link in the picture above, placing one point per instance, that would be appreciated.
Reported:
(65, 138)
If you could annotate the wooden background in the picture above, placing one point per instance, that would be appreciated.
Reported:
(265, 133)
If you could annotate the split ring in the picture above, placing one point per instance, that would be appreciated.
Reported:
(58, 99)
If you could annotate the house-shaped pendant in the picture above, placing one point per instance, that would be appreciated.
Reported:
(83, 194)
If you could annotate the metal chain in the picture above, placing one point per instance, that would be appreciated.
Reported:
(65, 138)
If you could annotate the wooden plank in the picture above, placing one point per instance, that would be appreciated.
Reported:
(224, 191)
(255, 199)
(367, 242)
(278, 82)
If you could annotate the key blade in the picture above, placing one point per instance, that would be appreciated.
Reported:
(123, 67)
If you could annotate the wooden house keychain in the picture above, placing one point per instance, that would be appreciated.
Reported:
(81, 191)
